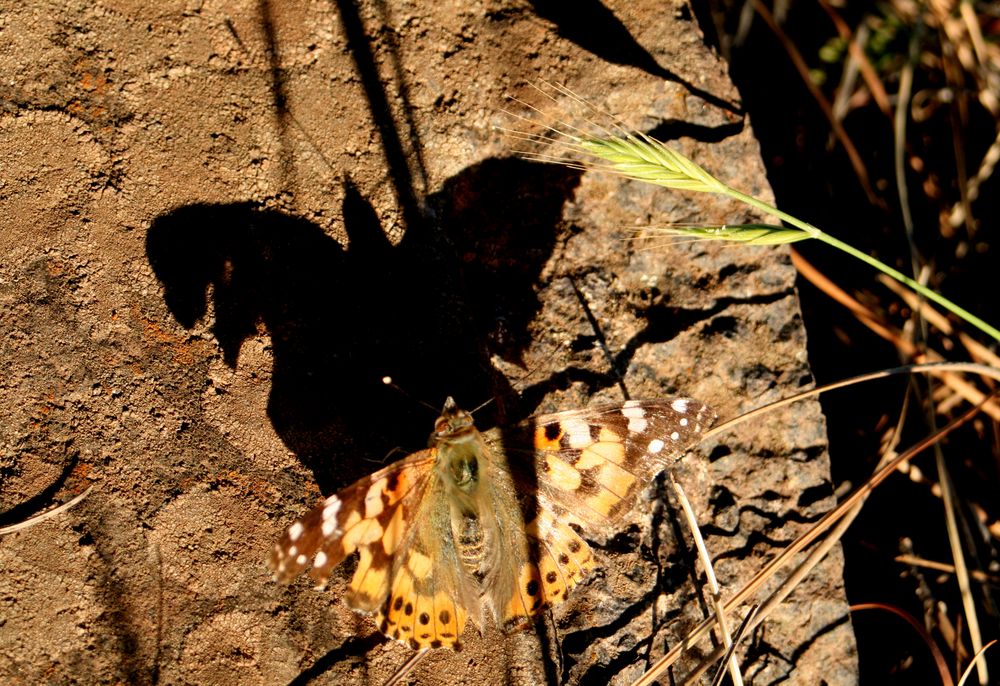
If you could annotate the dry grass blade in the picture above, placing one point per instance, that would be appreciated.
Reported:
(975, 660)
(958, 555)
(741, 631)
(877, 324)
(713, 584)
(932, 648)
(914, 561)
(934, 368)
(406, 667)
(978, 351)
(837, 521)
(38, 519)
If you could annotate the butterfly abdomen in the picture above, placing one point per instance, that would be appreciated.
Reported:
(470, 541)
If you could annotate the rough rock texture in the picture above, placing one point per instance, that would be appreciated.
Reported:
(222, 223)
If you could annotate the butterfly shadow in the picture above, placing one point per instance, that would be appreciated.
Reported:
(430, 311)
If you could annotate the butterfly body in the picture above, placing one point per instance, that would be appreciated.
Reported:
(487, 522)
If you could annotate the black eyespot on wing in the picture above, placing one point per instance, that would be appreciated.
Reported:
(392, 482)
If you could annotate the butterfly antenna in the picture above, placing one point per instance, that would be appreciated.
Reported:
(481, 406)
(387, 380)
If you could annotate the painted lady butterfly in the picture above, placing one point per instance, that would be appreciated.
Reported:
(487, 520)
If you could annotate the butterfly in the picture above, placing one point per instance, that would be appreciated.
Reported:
(487, 522)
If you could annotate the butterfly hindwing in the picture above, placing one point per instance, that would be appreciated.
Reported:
(431, 594)
(408, 571)
(556, 560)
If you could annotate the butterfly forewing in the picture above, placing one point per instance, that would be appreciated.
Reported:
(373, 509)
(582, 467)
(591, 463)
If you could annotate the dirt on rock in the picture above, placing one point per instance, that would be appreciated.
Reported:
(222, 223)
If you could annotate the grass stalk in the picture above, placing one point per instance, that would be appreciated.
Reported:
(642, 158)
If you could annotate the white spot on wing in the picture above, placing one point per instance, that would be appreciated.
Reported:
(655, 446)
(577, 433)
(300, 560)
(293, 551)
(320, 559)
(636, 418)
(683, 421)
(674, 436)
(330, 510)
(295, 531)
(329, 526)
(680, 405)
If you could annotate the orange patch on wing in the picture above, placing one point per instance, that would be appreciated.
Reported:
(543, 442)
(615, 479)
(449, 620)
(363, 533)
(352, 519)
(562, 473)
(395, 620)
(528, 596)
(419, 564)
(370, 583)
(423, 625)
(393, 532)
(608, 448)
(603, 502)
(565, 552)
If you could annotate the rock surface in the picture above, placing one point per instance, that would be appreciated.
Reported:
(221, 224)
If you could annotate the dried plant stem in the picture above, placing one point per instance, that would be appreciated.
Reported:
(831, 519)
(975, 660)
(713, 582)
(407, 667)
(38, 519)
(637, 156)
(873, 321)
(961, 569)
